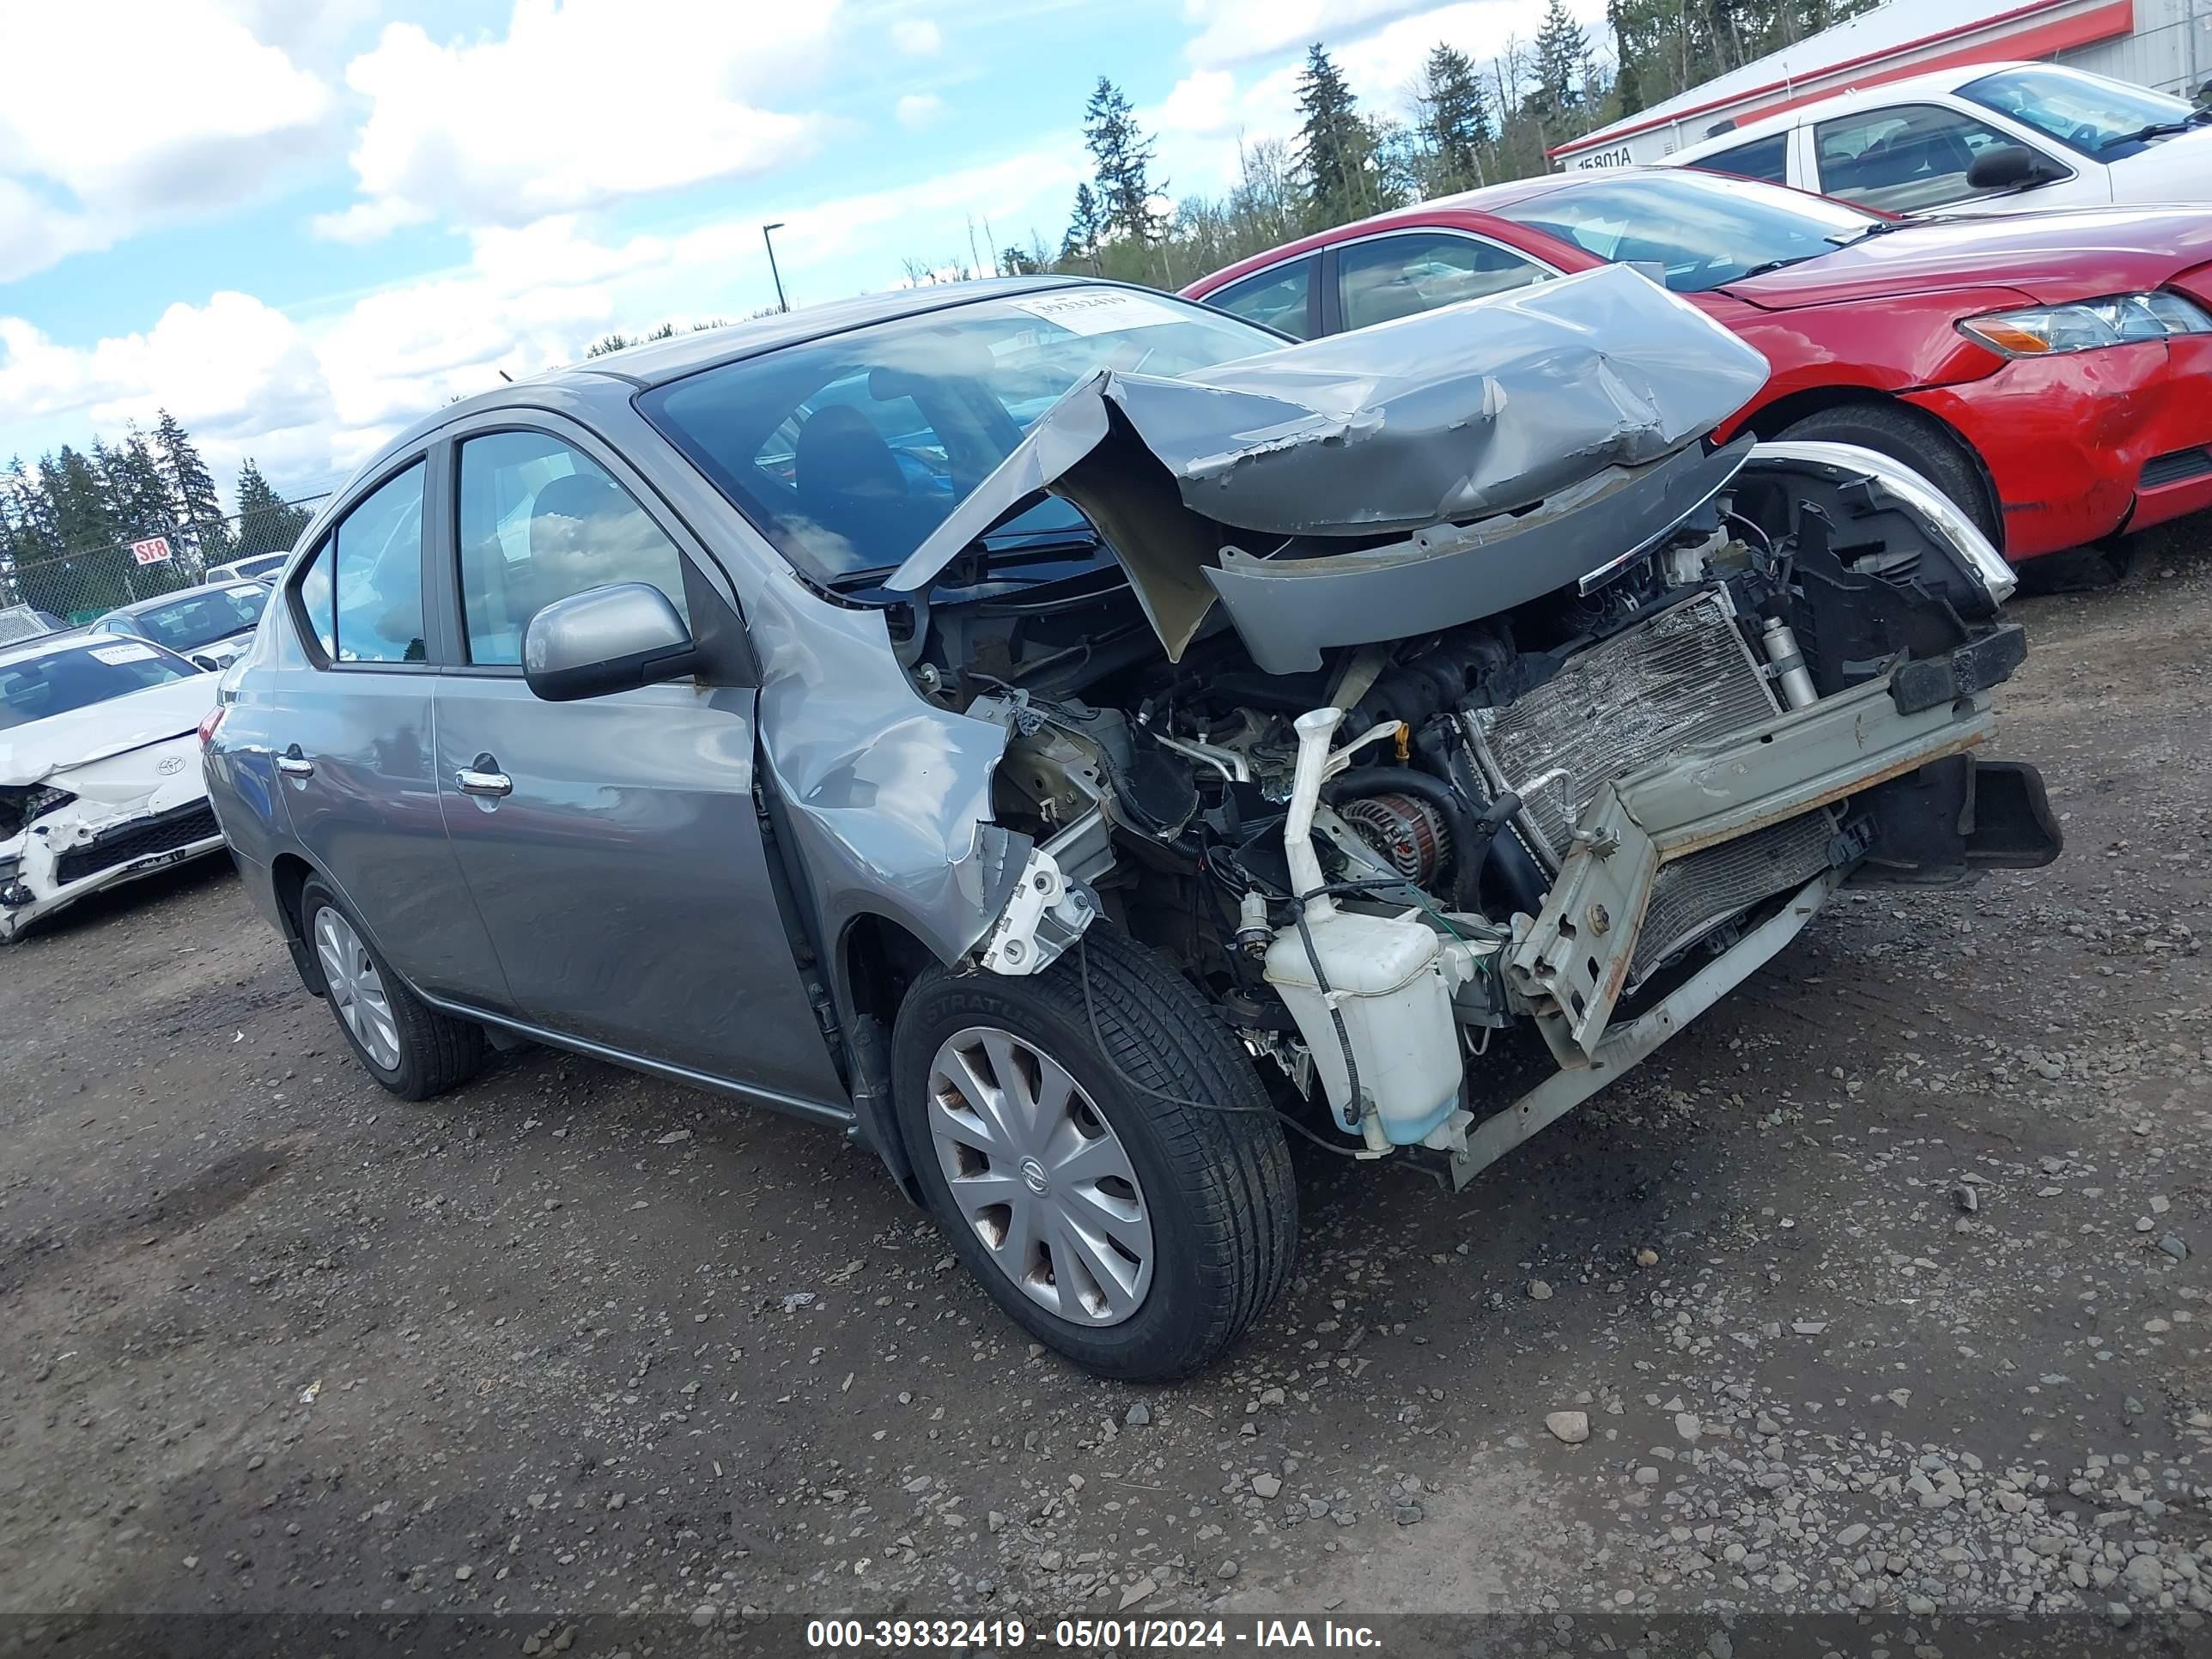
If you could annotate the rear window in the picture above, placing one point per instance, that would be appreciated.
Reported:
(1766, 158)
(201, 618)
(57, 682)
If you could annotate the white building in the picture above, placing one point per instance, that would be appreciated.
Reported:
(2164, 44)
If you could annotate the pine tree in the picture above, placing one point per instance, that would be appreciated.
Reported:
(1455, 119)
(1627, 52)
(1084, 226)
(1122, 157)
(191, 488)
(137, 491)
(1336, 148)
(266, 522)
(1561, 48)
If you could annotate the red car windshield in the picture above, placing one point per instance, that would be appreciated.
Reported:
(1700, 231)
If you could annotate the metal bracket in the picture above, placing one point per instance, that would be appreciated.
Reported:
(1046, 914)
(1560, 1093)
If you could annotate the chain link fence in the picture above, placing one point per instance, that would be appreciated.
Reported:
(79, 586)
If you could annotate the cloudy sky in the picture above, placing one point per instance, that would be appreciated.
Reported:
(300, 224)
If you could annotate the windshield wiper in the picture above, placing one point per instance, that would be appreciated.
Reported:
(1768, 265)
(2157, 130)
(998, 548)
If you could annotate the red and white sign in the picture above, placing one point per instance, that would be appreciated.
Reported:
(154, 550)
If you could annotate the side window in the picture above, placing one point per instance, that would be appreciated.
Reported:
(1281, 298)
(1915, 155)
(313, 592)
(1397, 276)
(378, 574)
(539, 522)
(1766, 158)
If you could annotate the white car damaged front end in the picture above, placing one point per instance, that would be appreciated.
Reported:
(133, 805)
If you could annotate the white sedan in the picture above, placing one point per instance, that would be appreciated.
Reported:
(100, 769)
(1981, 138)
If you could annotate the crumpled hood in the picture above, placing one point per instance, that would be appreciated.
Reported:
(2053, 257)
(30, 753)
(1452, 415)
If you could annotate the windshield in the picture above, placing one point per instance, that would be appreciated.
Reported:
(2084, 112)
(847, 452)
(188, 623)
(1702, 229)
(79, 675)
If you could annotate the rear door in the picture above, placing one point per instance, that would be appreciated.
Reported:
(354, 745)
(611, 845)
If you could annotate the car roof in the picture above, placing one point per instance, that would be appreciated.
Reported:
(175, 593)
(1830, 105)
(1485, 199)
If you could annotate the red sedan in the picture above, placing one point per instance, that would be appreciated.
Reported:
(2051, 372)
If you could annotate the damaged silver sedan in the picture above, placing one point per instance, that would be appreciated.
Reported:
(1072, 740)
(99, 775)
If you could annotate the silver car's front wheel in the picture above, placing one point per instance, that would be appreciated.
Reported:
(1041, 1177)
(356, 989)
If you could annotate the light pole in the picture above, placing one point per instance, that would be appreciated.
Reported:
(772, 271)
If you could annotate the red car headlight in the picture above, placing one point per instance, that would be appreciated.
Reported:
(2087, 326)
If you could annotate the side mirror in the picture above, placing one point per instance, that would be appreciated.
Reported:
(605, 638)
(2008, 166)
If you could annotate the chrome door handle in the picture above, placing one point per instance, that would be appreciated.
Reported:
(483, 783)
(295, 766)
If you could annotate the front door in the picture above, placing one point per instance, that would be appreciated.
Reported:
(610, 845)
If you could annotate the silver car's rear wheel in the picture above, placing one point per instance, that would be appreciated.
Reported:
(1037, 1171)
(356, 989)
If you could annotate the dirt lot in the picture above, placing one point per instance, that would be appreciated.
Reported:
(1885, 1287)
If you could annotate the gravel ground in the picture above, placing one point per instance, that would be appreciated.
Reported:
(1883, 1288)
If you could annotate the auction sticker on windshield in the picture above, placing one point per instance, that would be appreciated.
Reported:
(1093, 311)
(114, 655)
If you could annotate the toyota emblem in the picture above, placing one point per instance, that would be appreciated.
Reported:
(169, 765)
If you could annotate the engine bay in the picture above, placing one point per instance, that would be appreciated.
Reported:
(1366, 865)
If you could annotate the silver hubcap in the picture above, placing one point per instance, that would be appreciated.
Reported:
(1040, 1175)
(356, 988)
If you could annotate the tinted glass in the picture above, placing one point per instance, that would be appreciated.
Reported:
(1765, 158)
(1281, 298)
(1398, 276)
(200, 619)
(847, 452)
(314, 591)
(1701, 229)
(538, 521)
(380, 574)
(55, 682)
(1913, 157)
(2085, 112)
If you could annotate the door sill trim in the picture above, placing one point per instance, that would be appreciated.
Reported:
(813, 1111)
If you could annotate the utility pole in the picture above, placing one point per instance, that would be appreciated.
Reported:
(769, 242)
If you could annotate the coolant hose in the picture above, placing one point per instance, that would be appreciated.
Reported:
(1467, 837)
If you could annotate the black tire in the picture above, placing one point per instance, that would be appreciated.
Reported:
(436, 1051)
(1918, 440)
(1217, 1182)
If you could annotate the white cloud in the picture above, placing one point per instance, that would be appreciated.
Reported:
(1232, 32)
(574, 106)
(122, 115)
(920, 109)
(917, 37)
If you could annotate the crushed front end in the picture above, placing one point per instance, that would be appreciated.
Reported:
(1430, 705)
(68, 831)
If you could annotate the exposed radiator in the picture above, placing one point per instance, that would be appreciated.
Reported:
(1683, 677)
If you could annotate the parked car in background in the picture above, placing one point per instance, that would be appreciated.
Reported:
(211, 623)
(2049, 372)
(1980, 138)
(259, 567)
(890, 713)
(99, 775)
(27, 621)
